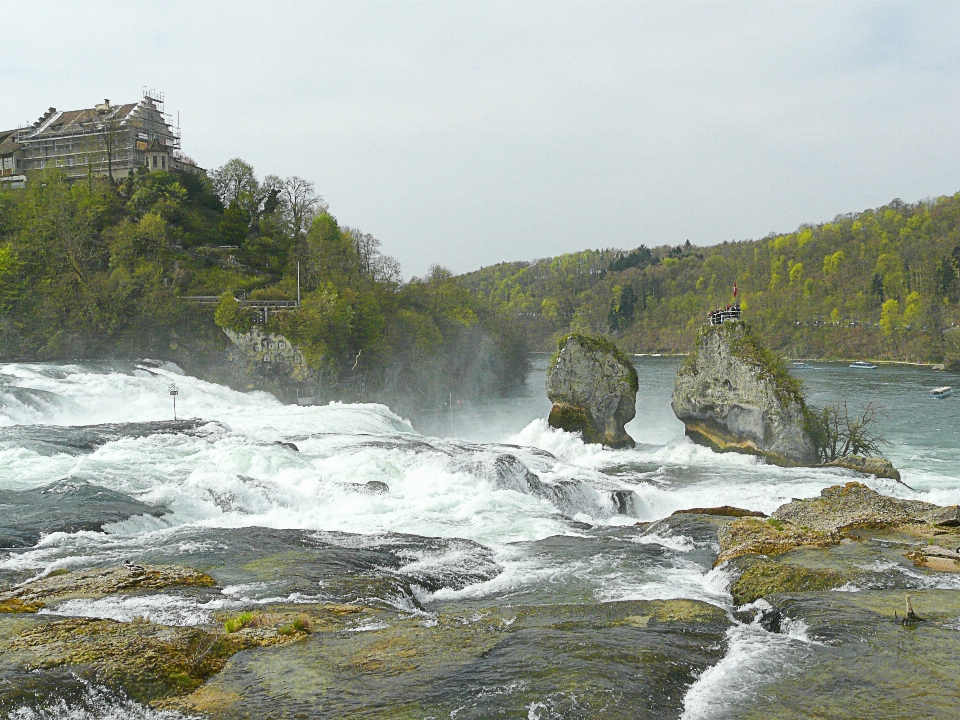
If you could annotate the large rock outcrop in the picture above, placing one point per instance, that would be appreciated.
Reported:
(593, 388)
(733, 395)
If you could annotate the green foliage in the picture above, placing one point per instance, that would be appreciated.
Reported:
(241, 621)
(231, 316)
(92, 269)
(300, 625)
(815, 292)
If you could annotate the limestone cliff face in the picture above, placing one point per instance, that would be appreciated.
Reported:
(264, 360)
(732, 395)
(593, 387)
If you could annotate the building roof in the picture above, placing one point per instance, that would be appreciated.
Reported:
(8, 142)
(57, 122)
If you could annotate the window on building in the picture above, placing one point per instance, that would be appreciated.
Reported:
(154, 161)
(163, 161)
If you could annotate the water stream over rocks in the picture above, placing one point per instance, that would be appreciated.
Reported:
(495, 565)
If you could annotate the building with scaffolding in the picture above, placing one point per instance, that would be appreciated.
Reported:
(105, 140)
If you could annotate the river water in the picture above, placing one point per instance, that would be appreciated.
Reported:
(525, 515)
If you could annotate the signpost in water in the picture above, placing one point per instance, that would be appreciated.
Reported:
(174, 392)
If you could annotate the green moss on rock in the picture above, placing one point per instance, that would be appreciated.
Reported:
(572, 419)
(751, 535)
(767, 578)
(599, 344)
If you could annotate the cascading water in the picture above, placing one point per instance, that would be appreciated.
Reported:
(505, 511)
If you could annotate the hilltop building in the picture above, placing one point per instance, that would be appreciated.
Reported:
(103, 140)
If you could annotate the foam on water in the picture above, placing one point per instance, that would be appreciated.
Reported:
(506, 495)
(97, 703)
(754, 657)
(161, 609)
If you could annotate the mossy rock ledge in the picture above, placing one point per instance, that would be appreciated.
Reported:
(593, 388)
(734, 395)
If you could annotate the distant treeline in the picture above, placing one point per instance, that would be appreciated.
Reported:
(881, 283)
(93, 269)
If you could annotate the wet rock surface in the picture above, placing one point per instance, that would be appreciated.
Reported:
(97, 583)
(843, 506)
(69, 505)
(734, 396)
(498, 661)
(845, 574)
(880, 467)
(863, 663)
(511, 654)
(82, 439)
(593, 388)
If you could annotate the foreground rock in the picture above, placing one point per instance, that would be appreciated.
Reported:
(836, 570)
(629, 660)
(593, 388)
(853, 505)
(734, 396)
(351, 661)
(879, 467)
(97, 583)
(69, 505)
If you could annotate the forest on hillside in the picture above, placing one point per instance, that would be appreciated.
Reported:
(882, 283)
(95, 269)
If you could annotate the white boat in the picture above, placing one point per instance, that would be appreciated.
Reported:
(801, 365)
(941, 392)
(861, 365)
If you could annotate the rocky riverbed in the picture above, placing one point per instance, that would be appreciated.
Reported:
(828, 574)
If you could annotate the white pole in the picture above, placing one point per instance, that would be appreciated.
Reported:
(298, 283)
(173, 393)
(451, 413)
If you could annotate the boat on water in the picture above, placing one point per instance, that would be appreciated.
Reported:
(801, 365)
(941, 392)
(861, 365)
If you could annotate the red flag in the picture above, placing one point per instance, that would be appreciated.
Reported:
(735, 290)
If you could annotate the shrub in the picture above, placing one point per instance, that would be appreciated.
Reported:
(301, 624)
(241, 621)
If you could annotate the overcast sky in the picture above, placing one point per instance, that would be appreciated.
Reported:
(467, 133)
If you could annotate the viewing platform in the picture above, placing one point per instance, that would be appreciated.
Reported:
(261, 309)
(214, 299)
(720, 316)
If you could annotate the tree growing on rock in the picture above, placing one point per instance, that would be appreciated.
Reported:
(838, 432)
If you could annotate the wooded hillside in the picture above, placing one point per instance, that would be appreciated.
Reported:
(97, 270)
(881, 283)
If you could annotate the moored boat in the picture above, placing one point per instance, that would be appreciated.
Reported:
(941, 392)
(861, 365)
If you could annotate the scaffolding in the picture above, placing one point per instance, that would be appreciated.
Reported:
(106, 137)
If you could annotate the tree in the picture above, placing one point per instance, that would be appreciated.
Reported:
(110, 131)
(837, 433)
(889, 316)
(235, 182)
(299, 204)
(234, 225)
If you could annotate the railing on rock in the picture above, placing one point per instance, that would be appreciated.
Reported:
(720, 316)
